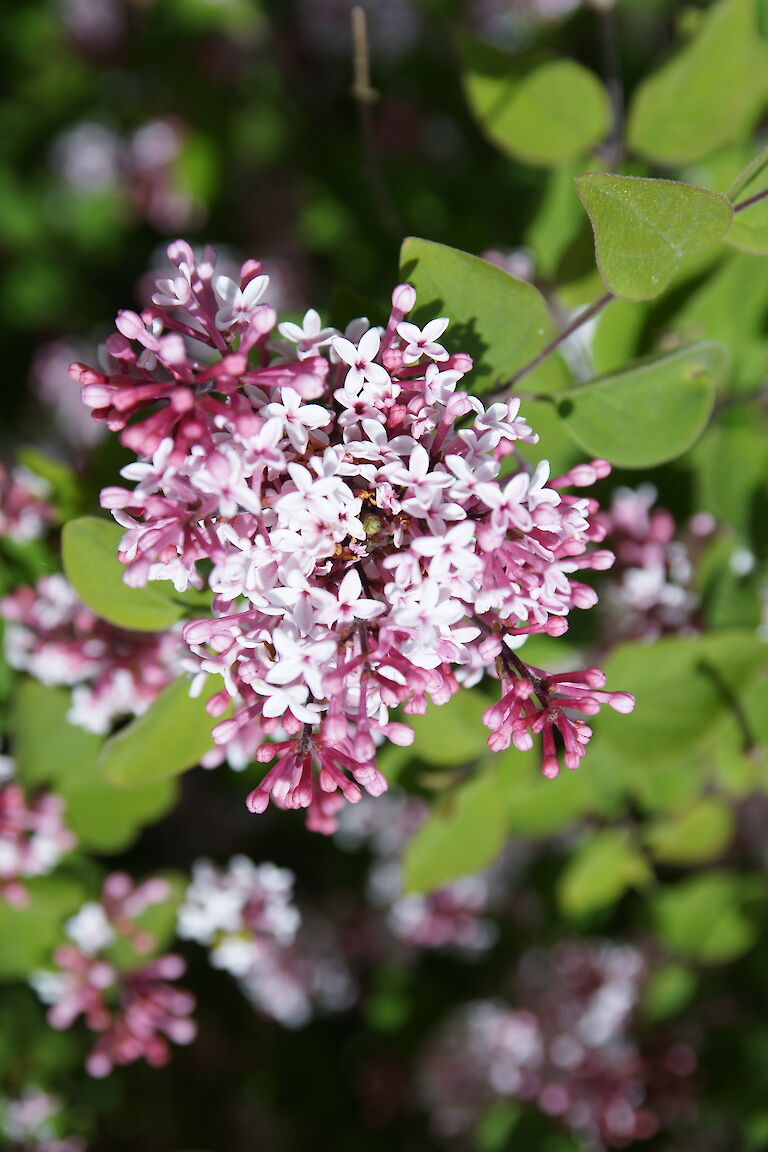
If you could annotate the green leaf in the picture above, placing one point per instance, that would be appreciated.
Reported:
(451, 733)
(463, 835)
(664, 784)
(502, 323)
(494, 1131)
(28, 935)
(703, 918)
(557, 221)
(669, 990)
(710, 312)
(50, 751)
(707, 94)
(618, 333)
(700, 833)
(89, 552)
(648, 414)
(749, 230)
(644, 228)
(550, 115)
(600, 872)
(171, 736)
(60, 477)
(683, 687)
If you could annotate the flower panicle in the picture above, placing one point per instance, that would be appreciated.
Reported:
(371, 533)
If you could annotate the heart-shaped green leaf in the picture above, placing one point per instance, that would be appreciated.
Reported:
(703, 917)
(643, 228)
(648, 414)
(549, 115)
(89, 551)
(707, 94)
(463, 835)
(698, 834)
(51, 751)
(171, 736)
(500, 321)
(600, 872)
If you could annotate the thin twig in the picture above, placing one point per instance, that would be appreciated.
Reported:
(583, 318)
(365, 96)
(752, 200)
(614, 146)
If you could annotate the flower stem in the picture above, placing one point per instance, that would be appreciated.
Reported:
(583, 318)
(751, 200)
(365, 96)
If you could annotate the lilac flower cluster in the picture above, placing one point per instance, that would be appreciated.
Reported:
(33, 836)
(246, 916)
(32, 1122)
(570, 1051)
(135, 1011)
(113, 673)
(370, 534)
(650, 591)
(25, 508)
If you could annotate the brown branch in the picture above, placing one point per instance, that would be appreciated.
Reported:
(583, 318)
(365, 96)
(752, 200)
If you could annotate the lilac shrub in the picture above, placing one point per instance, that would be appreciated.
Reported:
(134, 1010)
(370, 533)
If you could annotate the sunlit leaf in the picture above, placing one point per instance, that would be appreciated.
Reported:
(711, 312)
(171, 736)
(547, 115)
(50, 751)
(29, 934)
(749, 230)
(683, 686)
(451, 733)
(643, 228)
(646, 415)
(89, 551)
(707, 94)
(463, 835)
(698, 834)
(599, 873)
(703, 917)
(500, 321)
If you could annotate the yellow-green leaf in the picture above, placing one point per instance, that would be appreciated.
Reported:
(644, 228)
(463, 835)
(700, 833)
(89, 551)
(171, 736)
(547, 115)
(707, 94)
(600, 872)
(749, 230)
(648, 414)
(502, 323)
